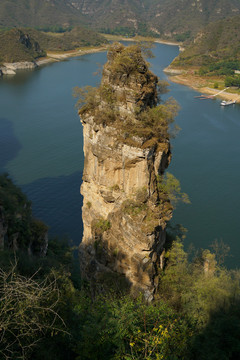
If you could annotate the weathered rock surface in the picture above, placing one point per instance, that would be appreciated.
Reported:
(11, 68)
(6, 71)
(124, 218)
(21, 65)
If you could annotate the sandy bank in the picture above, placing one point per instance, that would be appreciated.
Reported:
(199, 84)
(141, 38)
(57, 56)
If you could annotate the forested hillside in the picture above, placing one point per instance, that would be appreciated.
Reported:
(186, 17)
(16, 45)
(29, 44)
(69, 40)
(215, 54)
(38, 13)
(217, 42)
(165, 18)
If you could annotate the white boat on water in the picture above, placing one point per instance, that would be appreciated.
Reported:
(229, 102)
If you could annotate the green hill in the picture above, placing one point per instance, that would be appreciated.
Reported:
(36, 13)
(186, 17)
(69, 40)
(16, 45)
(218, 42)
(29, 44)
(165, 18)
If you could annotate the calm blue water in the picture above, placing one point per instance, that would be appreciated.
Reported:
(41, 148)
(41, 139)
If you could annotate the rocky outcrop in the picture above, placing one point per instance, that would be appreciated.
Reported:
(20, 65)
(124, 212)
(18, 50)
(11, 68)
(6, 71)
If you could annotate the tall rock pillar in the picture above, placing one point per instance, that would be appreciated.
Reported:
(126, 148)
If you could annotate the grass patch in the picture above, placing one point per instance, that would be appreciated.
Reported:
(99, 226)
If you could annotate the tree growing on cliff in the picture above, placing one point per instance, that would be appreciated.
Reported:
(87, 98)
(169, 185)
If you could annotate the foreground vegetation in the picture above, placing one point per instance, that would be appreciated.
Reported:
(47, 312)
(22, 230)
(195, 314)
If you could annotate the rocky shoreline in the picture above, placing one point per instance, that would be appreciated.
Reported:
(11, 68)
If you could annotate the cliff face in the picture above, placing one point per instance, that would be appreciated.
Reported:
(124, 213)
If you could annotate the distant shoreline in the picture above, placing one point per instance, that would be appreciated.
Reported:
(198, 83)
(59, 56)
(180, 76)
(141, 38)
(10, 69)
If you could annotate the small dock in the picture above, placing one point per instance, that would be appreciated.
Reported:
(205, 97)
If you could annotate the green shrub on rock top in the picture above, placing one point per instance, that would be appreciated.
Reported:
(148, 122)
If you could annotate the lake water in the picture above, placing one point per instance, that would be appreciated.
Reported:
(41, 148)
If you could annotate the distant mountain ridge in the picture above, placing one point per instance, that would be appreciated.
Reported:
(164, 18)
(36, 13)
(189, 16)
